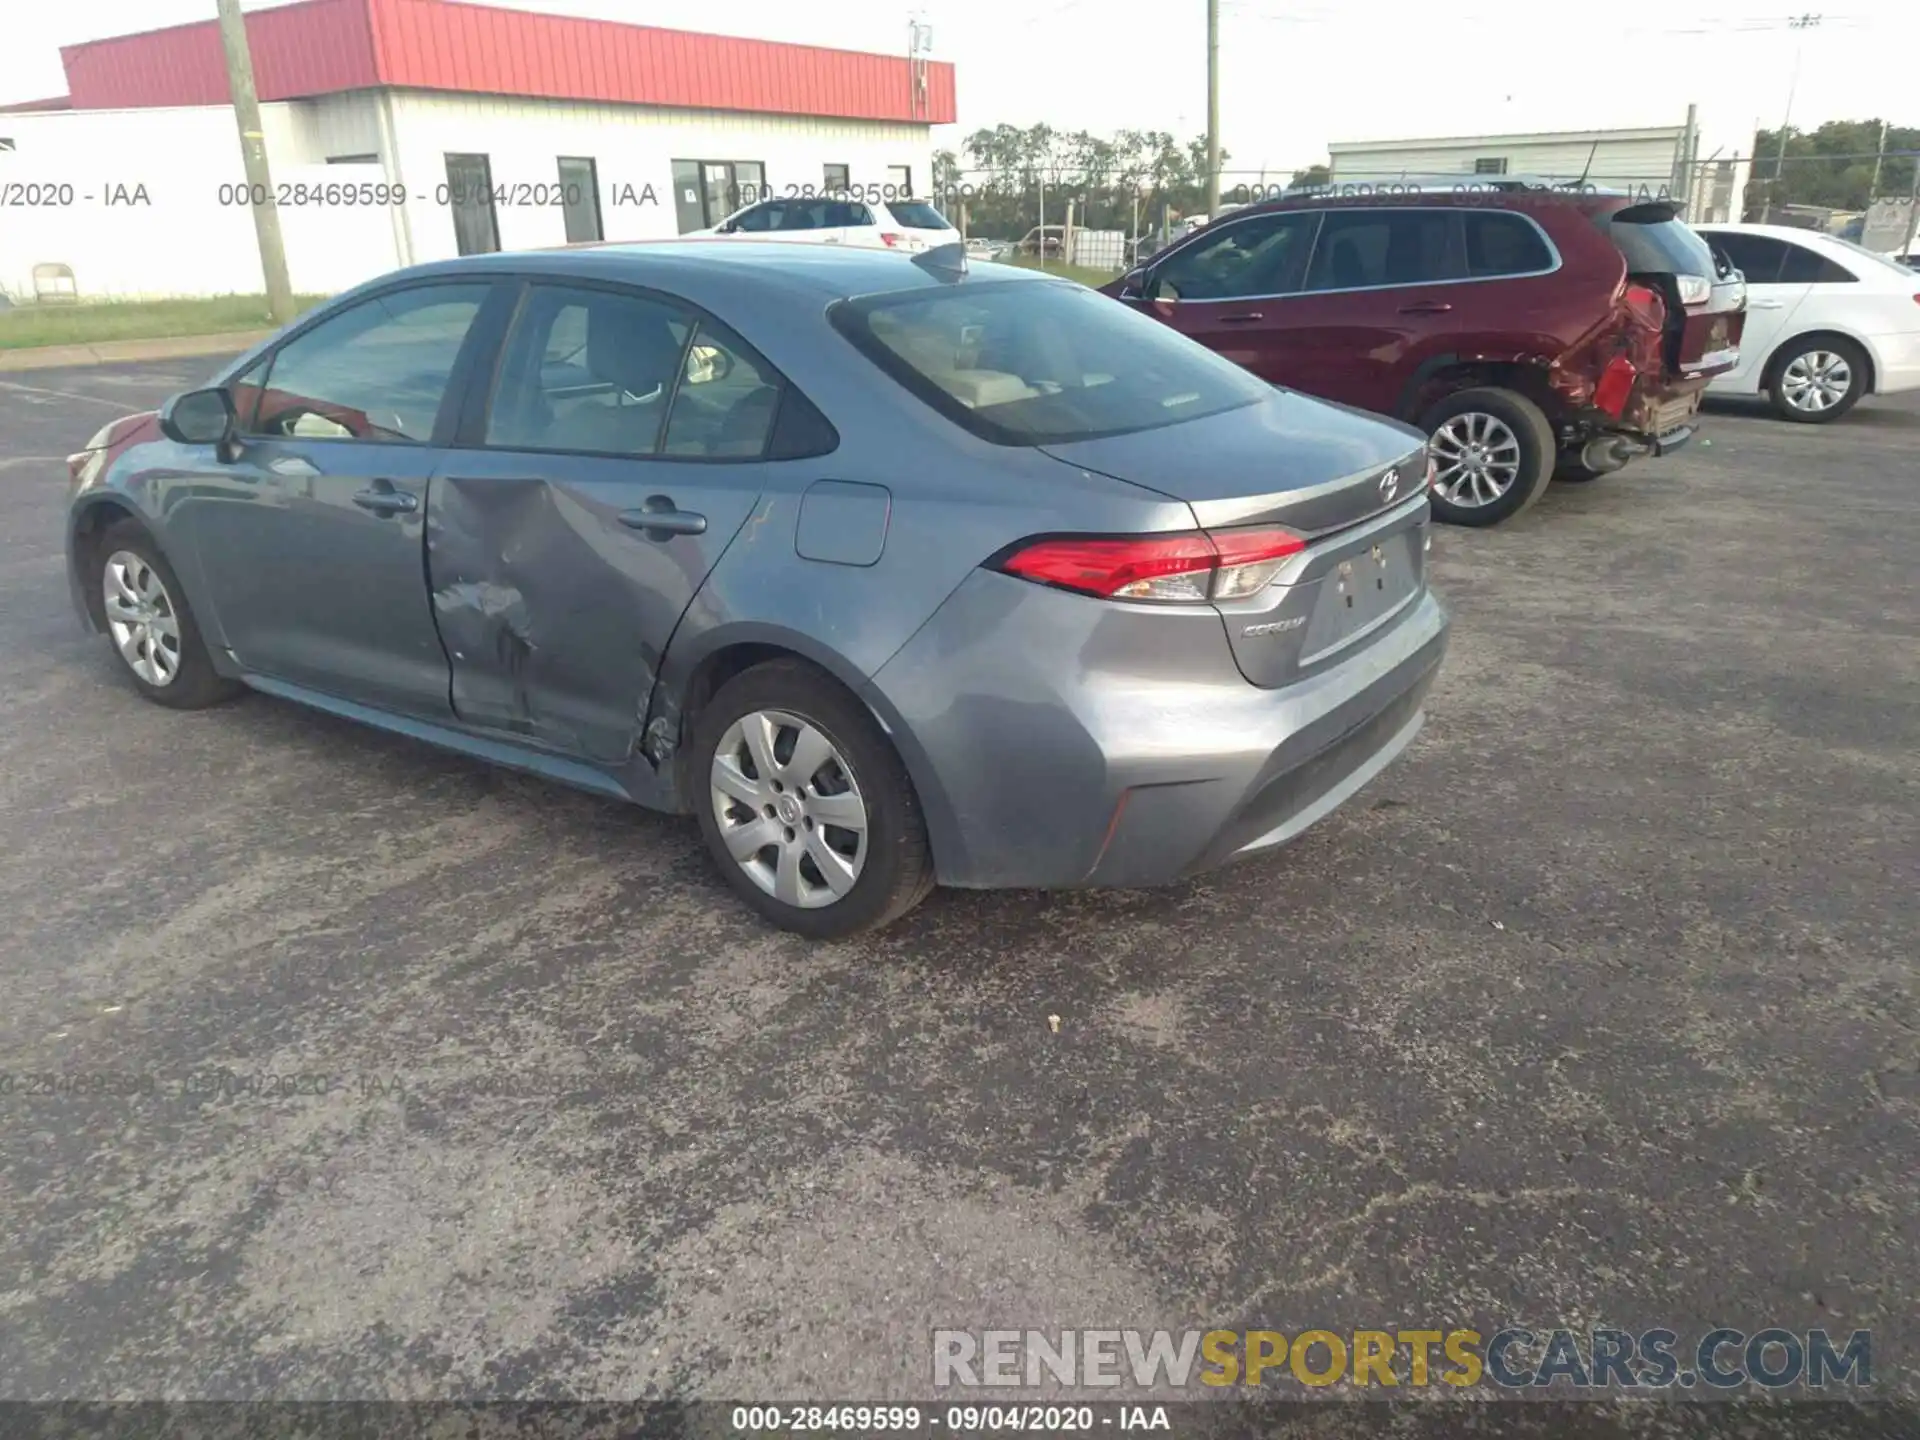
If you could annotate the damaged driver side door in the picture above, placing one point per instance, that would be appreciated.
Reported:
(585, 502)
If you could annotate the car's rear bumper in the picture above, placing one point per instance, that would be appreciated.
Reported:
(1896, 362)
(1052, 750)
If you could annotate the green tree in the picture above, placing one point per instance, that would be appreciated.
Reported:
(1831, 166)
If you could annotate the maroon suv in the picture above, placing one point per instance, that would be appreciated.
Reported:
(1523, 329)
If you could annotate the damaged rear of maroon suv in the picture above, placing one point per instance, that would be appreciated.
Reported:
(1529, 331)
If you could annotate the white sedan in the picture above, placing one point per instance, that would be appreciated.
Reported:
(1827, 321)
(910, 225)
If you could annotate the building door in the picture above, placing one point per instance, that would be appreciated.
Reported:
(580, 199)
(470, 197)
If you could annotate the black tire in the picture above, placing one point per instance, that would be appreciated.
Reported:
(897, 872)
(194, 684)
(1849, 352)
(1530, 429)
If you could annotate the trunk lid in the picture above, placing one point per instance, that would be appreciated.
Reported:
(1316, 468)
(1706, 301)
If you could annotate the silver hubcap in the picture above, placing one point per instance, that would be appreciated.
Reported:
(1476, 459)
(789, 809)
(141, 618)
(1816, 381)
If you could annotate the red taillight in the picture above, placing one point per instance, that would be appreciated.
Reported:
(1190, 568)
(1645, 306)
(1616, 384)
(889, 239)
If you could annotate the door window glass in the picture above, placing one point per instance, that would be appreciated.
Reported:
(1500, 242)
(377, 370)
(1757, 257)
(588, 370)
(1262, 255)
(1359, 249)
(762, 218)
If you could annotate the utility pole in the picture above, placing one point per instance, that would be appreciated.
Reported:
(253, 150)
(1879, 154)
(1801, 23)
(1213, 107)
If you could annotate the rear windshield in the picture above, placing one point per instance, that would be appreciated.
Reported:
(1038, 362)
(918, 215)
(1655, 243)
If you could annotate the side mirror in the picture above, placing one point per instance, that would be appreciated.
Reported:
(1133, 285)
(201, 417)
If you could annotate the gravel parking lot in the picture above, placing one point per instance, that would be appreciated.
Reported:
(1598, 1008)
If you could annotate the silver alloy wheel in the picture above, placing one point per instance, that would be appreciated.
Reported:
(1817, 381)
(141, 618)
(1476, 459)
(789, 809)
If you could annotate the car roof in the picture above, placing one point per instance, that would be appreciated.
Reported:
(1459, 190)
(1778, 232)
(698, 268)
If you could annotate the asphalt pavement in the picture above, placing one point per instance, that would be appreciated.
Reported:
(1597, 1008)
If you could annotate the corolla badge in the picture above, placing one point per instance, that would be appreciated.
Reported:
(1389, 486)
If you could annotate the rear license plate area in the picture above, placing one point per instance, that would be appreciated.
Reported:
(1361, 593)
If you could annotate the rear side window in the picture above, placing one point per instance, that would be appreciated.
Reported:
(918, 215)
(1655, 242)
(1039, 362)
(1500, 242)
(1808, 267)
(1359, 249)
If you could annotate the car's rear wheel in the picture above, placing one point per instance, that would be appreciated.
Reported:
(1492, 452)
(152, 629)
(1818, 380)
(805, 805)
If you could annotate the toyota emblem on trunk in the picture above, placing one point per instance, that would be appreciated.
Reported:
(1389, 485)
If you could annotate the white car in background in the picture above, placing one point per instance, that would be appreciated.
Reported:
(910, 225)
(1827, 321)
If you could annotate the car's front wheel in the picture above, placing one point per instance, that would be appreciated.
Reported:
(152, 629)
(805, 805)
(1492, 453)
(1818, 380)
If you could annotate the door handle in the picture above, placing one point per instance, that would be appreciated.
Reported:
(383, 499)
(660, 519)
(1765, 305)
(1246, 319)
(1426, 307)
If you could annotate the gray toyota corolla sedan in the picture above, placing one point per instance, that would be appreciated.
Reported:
(893, 571)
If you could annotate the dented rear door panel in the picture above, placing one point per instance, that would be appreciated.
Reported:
(554, 610)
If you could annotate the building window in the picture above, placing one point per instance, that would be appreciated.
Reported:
(1490, 165)
(839, 179)
(470, 196)
(705, 192)
(353, 159)
(899, 182)
(580, 199)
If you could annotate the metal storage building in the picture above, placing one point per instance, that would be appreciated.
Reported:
(490, 128)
